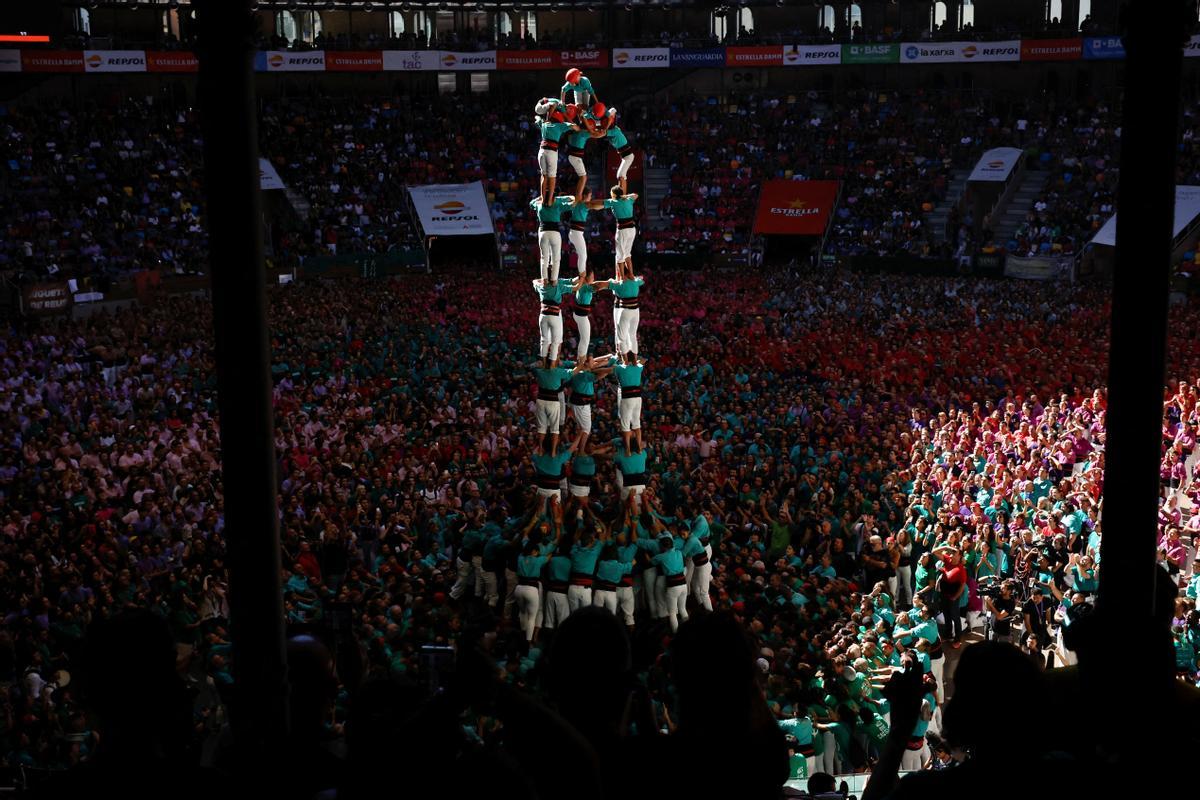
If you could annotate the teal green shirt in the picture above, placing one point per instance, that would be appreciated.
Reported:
(626, 289)
(622, 208)
(552, 213)
(547, 464)
(584, 466)
(553, 131)
(633, 464)
(553, 378)
(583, 559)
(669, 562)
(628, 375)
(583, 383)
(613, 570)
(560, 568)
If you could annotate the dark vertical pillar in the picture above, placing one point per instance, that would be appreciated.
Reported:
(259, 708)
(1146, 201)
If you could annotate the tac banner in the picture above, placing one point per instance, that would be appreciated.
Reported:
(798, 208)
(996, 164)
(452, 209)
(268, 176)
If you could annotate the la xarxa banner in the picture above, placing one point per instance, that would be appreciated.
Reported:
(452, 209)
(1051, 49)
(171, 61)
(706, 57)
(812, 55)
(466, 62)
(754, 56)
(959, 52)
(410, 60)
(354, 61)
(641, 57)
(583, 58)
(800, 208)
(870, 53)
(114, 60)
(287, 61)
(996, 164)
(527, 59)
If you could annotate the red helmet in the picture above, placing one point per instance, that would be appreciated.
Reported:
(573, 75)
(599, 109)
(572, 112)
(557, 116)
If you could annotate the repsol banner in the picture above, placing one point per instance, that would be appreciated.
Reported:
(44, 299)
(641, 57)
(812, 55)
(959, 52)
(452, 209)
(114, 60)
(467, 62)
(287, 61)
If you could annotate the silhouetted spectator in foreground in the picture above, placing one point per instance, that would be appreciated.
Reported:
(143, 713)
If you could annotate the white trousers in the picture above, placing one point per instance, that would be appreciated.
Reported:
(556, 611)
(580, 244)
(491, 588)
(583, 417)
(904, 587)
(550, 247)
(528, 605)
(700, 581)
(466, 577)
(829, 758)
(578, 597)
(624, 244)
(577, 164)
(626, 163)
(914, 760)
(549, 335)
(625, 604)
(675, 598)
(630, 411)
(625, 328)
(549, 416)
(584, 325)
(603, 598)
(936, 666)
(650, 590)
(548, 163)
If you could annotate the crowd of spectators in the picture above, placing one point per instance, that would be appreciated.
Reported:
(841, 430)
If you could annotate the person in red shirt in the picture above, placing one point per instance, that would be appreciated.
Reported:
(951, 585)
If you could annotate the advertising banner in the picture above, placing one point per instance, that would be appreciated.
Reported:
(1187, 208)
(641, 57)
(354, 61)
(1191, 48)
(10, 60)
(812, 55)
(870, 53)
(527, 59)
(754, 56)
(583, 58)
(799, 208)
(180, 61)
(1051, 49)
(484, 61)
(452, 209)
(52, 61)
(706, 57)
(114, 60)
(959, 52)
(409, 60)
(268, 176)
(996, 164)
(42, 299)
(1103, 48)
(286, 61)
(1039, 268)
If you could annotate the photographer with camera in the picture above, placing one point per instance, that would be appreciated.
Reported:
(1001, 606)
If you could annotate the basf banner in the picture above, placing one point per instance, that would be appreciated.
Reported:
(641, 57)
(706, 57)
(1103, 48)
(814, 55)
(754, 56)
(467, 62)
(959, 52)
(1051, 49)
(452, 209)
(799, 208)
(996, 164)
(410, 60)
(285, 61)
(114, 60)
(583, 58)
(870, 53)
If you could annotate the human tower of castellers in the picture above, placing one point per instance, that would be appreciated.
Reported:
(640, 559)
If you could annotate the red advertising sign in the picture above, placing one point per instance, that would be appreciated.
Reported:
(799, 208)
(754, 56)
(354, 61)
(528, 59)
(583, 58)
(171, 62)
(52, 61)
(1051, 49)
